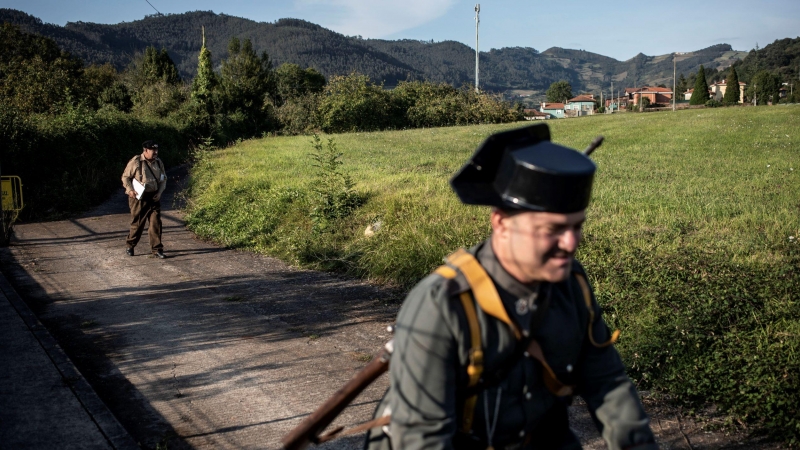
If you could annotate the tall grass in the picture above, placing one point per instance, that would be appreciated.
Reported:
(691, 241)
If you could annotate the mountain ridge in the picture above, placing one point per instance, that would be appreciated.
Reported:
(310, 45)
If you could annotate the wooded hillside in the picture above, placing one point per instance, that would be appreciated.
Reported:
(309, 45)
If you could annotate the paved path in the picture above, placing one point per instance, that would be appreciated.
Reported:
(210, 348)
(45, 402)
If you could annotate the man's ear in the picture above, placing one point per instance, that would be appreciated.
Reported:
(500, 221)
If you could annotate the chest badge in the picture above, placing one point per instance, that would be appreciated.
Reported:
(522, 306)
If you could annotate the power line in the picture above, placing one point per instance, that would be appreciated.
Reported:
(151, 5)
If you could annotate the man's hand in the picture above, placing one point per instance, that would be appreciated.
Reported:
(157, 197)
(131, 194)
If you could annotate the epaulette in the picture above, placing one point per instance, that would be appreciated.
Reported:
(453, 285)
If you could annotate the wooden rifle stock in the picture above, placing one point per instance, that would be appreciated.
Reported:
(309, 429)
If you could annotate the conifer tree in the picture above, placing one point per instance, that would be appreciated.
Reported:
(157, 66)
(247, 85)
(682, 86)
(732, 95)
(205, 81)
(700, 95)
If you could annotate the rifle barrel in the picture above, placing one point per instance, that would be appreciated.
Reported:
(309, 429)
(597, 142)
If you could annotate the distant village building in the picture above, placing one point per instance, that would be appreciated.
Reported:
(688, 94)
(533, 114)
(555, 110)
(617, 103)
(784, 90)
(582, 105)
(655, 94)
(717, 90)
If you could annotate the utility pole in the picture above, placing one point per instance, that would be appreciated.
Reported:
(477, 53)
(674, 83)
(612, 98)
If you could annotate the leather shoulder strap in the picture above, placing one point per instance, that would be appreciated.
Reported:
(475, 366)
(482, 288)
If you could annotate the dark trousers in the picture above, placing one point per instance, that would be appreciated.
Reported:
(142, 211)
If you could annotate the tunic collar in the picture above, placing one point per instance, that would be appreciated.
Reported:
(519, 299)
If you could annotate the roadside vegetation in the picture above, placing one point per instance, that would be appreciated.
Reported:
(68, 129)
(691, 242)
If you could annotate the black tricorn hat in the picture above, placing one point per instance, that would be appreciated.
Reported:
(150, 144)
(522, 169)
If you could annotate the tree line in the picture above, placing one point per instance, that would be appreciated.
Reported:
(763, 70)
(54, 108)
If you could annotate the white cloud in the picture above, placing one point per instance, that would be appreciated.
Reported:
(372, 18)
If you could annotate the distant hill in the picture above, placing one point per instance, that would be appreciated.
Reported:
(331, 53)
(596, 71)
(782, 58)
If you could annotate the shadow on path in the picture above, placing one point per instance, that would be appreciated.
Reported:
(210, 348)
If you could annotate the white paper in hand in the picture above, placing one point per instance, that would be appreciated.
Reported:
(139, 188)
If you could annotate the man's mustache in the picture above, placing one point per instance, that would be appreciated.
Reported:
(558, 253)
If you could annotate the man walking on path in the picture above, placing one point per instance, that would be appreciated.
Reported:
(144, 180)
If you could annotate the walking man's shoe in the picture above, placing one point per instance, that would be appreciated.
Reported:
(160, 254)
(129, 251)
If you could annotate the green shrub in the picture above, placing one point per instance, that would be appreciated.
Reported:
(299, 115)
(713, 104)
(353, 103)
(334, 196)
(74, 160)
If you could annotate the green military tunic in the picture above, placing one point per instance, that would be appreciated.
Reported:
(431, 352)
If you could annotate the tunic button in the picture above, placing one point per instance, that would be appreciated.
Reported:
(527, 355)
(528, 396)
(522, 433)
(569, 368)
(534, 308)
(525, 333)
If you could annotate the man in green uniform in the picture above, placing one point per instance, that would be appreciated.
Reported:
(540, 343)
(145, 172)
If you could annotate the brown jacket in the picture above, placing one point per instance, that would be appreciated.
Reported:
(151, 174)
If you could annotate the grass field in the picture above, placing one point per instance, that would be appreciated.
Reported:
(691, 240)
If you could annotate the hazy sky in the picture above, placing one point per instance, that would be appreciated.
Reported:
(619, 29)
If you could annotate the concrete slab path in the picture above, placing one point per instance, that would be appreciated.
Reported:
(45, 403)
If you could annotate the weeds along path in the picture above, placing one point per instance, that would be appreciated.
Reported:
(214, 348)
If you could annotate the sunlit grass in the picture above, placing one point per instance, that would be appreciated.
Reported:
(724, 174)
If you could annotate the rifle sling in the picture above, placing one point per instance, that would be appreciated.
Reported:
(340, 431)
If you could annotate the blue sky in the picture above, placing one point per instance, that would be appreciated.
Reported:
(619, 29)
